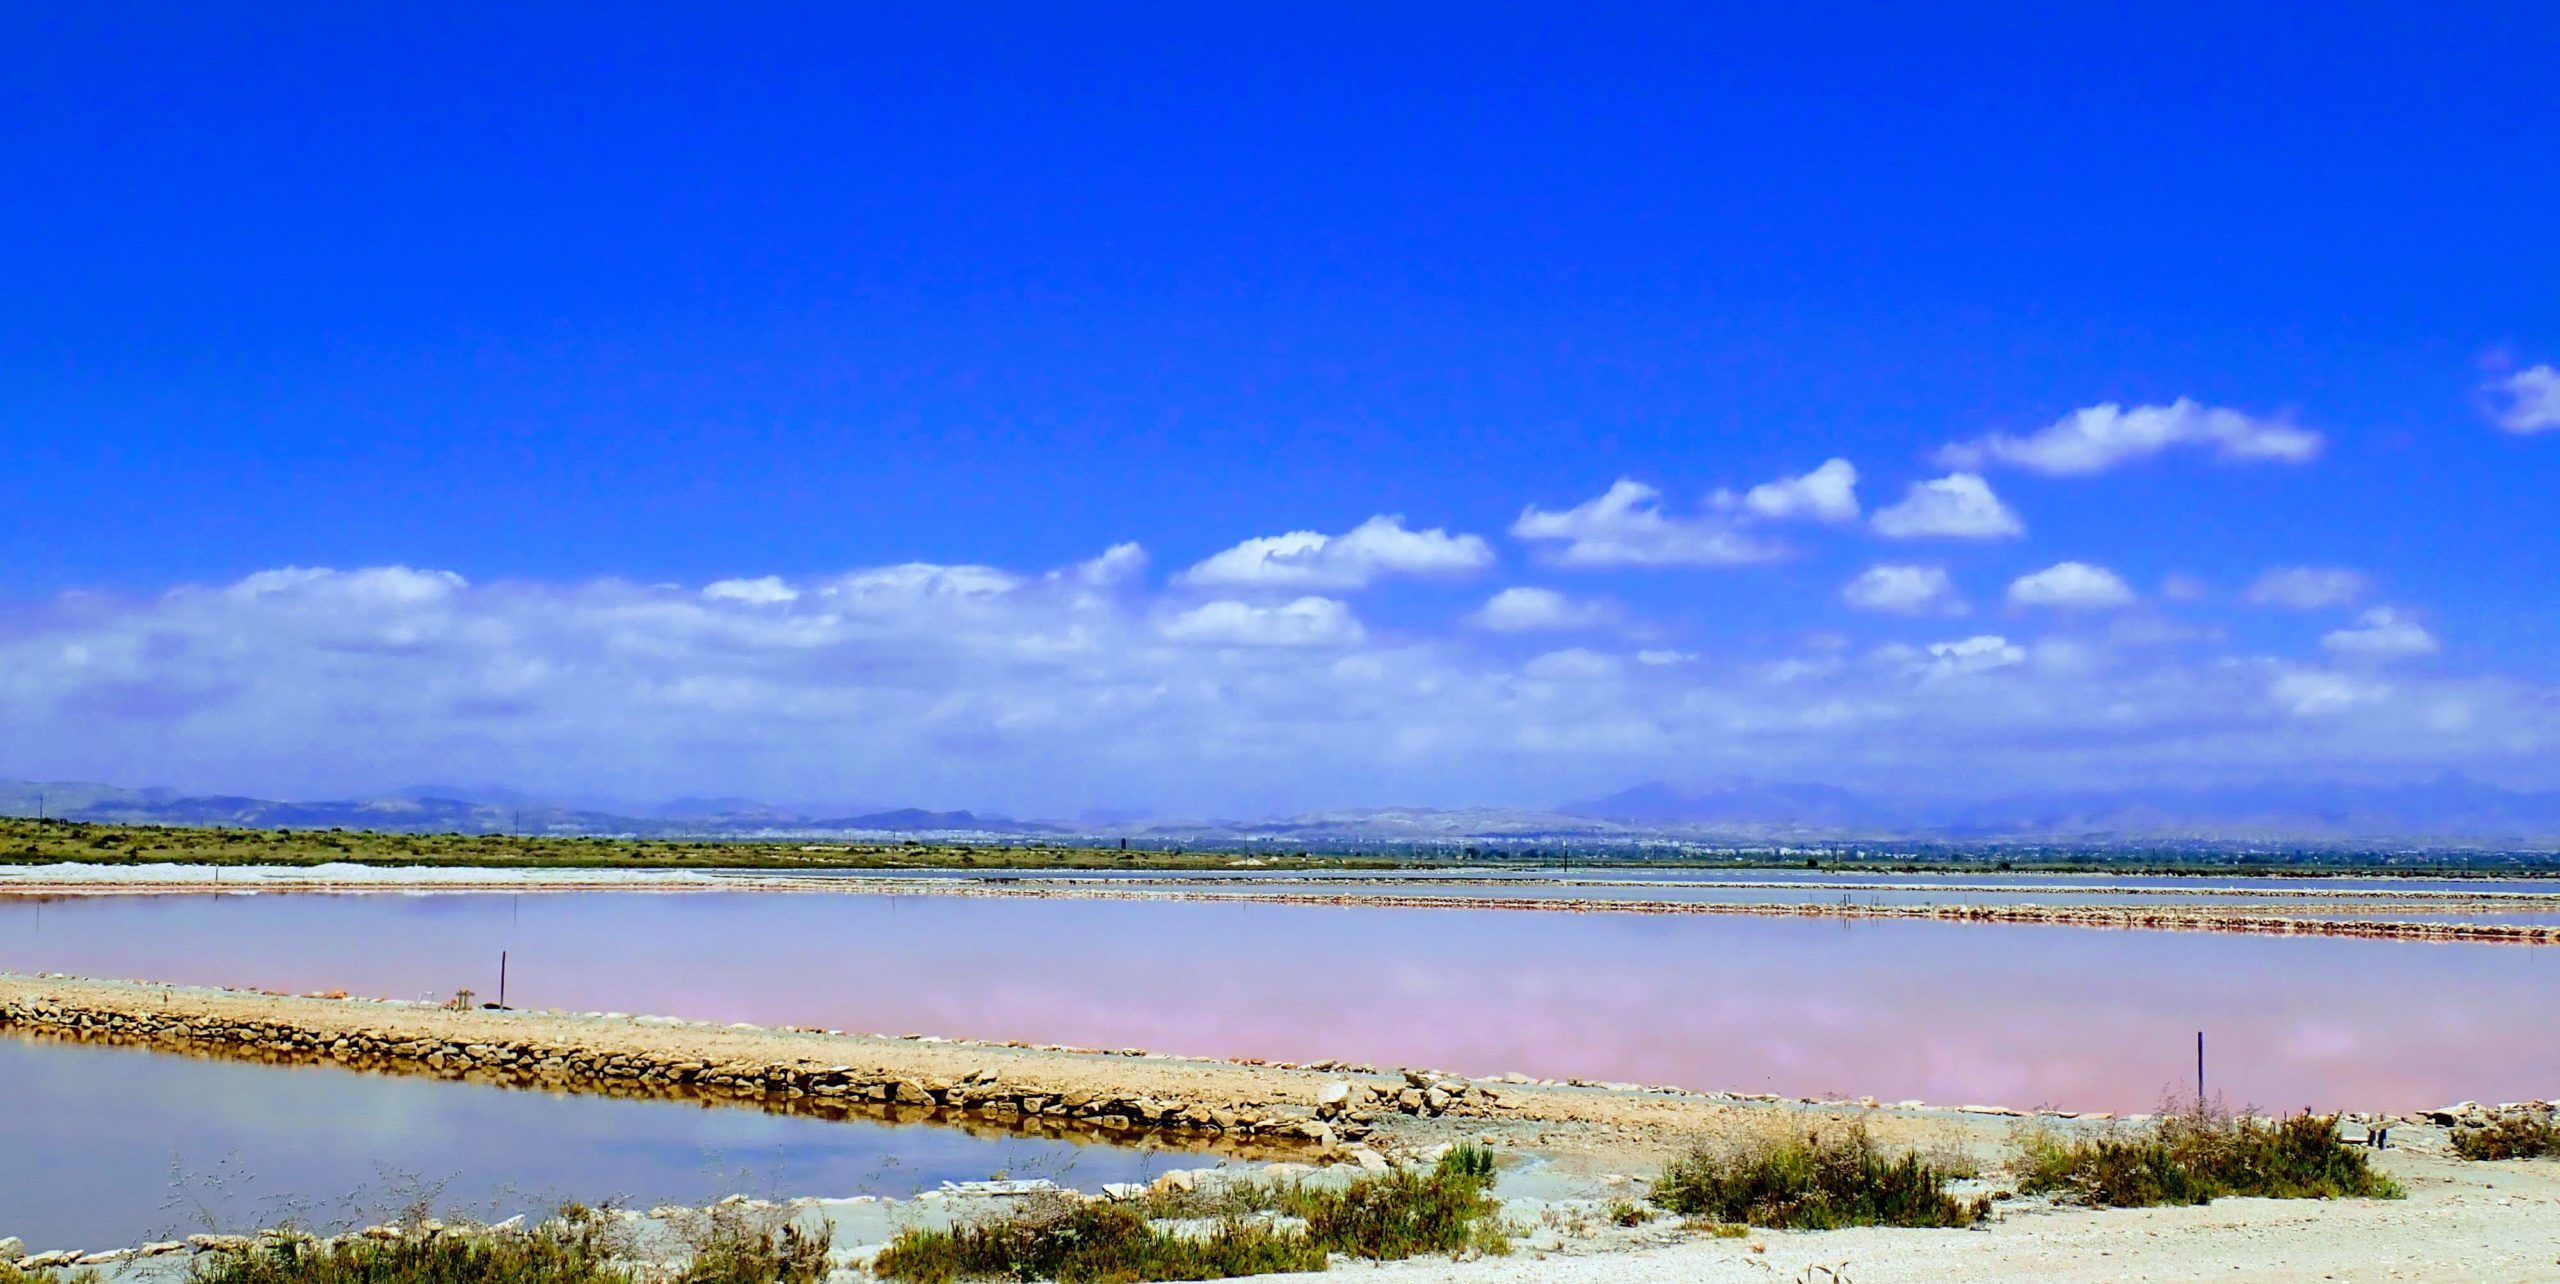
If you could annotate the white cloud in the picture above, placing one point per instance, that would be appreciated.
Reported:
(1981, 653)
(2094, 439)
(1958, 506)
(2312, 693)
(2309, 588)
(2532, 397)
(1626, 527)
(764, 590)
(1308, 621)
(2071, 586)
(1522, 610)
(2382, 633)
(1572, 664)
(1903, 590)
(1119, 564)
(1033, 692)
(1827, 494)
(1375, 549)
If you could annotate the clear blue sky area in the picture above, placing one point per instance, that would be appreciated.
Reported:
(575, 302)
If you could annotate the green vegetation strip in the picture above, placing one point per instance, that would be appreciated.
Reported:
(2196, 1156)
(1817, 1179)
(1252, 1228)
(28, 841)
(2509, 1136)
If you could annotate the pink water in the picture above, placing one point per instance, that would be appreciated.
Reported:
(1950, 1013)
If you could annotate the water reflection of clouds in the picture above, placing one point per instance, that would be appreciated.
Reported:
(95, 1136)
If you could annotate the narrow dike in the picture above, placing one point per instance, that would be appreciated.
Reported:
(1105, 1097)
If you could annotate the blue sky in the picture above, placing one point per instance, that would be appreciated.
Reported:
(577, 317)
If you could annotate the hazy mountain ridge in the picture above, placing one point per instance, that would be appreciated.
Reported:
(2447, 811)
(411, 812)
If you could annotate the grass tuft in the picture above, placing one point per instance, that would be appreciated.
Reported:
(1397, 1214)
(2509, 1136)
(726, 1246)
(1816, 1179)
(2197, 1155)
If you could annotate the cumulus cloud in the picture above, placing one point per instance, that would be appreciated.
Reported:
(2094, 439)
(764, 590)
(1625, 526)
(2527, 401)
(1375, 549)
(1957, 506)
(1903, 590)
(2071, 586)
(1308, 621)
(1035, 692)
(1978, 654)
(2382, 633)
(1523, 610)
(2309, 588)
(2314, 693)
(1119, 564)
(1827, 494)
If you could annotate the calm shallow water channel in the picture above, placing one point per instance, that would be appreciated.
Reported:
(1947, 1012)
(106, 1147)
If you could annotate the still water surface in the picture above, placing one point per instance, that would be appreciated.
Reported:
(107, 1147)
(1946, 1012)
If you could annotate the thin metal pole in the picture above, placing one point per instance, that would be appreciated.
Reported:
(2199, 1067)
(502, 978)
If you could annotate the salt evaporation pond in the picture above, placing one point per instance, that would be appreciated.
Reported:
(2019, 1015)
(106, 1147)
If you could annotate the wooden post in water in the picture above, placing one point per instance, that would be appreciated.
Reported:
(2199, 1070)
(502, 979)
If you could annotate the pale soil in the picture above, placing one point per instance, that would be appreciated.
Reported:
(2488, 1222)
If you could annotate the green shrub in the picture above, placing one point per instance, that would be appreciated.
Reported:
(1392, 1215)
(2195, 1156)
(725, 1246)
(1817, 1179)
(1072, 1241)
(2511, 1136)
(12, 1273)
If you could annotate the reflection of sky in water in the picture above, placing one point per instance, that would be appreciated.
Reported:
(93, 1136)
(2020, 1015)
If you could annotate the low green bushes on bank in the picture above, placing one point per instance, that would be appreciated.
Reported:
(1815, 1179)
(12, 1273)
(1383, 1217)
(2509, 1136)
(2193, 1156)
(722, 1246)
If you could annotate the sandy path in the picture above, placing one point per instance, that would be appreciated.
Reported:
(2487, 1222)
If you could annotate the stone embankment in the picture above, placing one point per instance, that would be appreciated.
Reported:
(1329, 1111)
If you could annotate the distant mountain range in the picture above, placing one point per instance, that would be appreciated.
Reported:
(487, 812)
(2449, 811)
(2449, 807)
